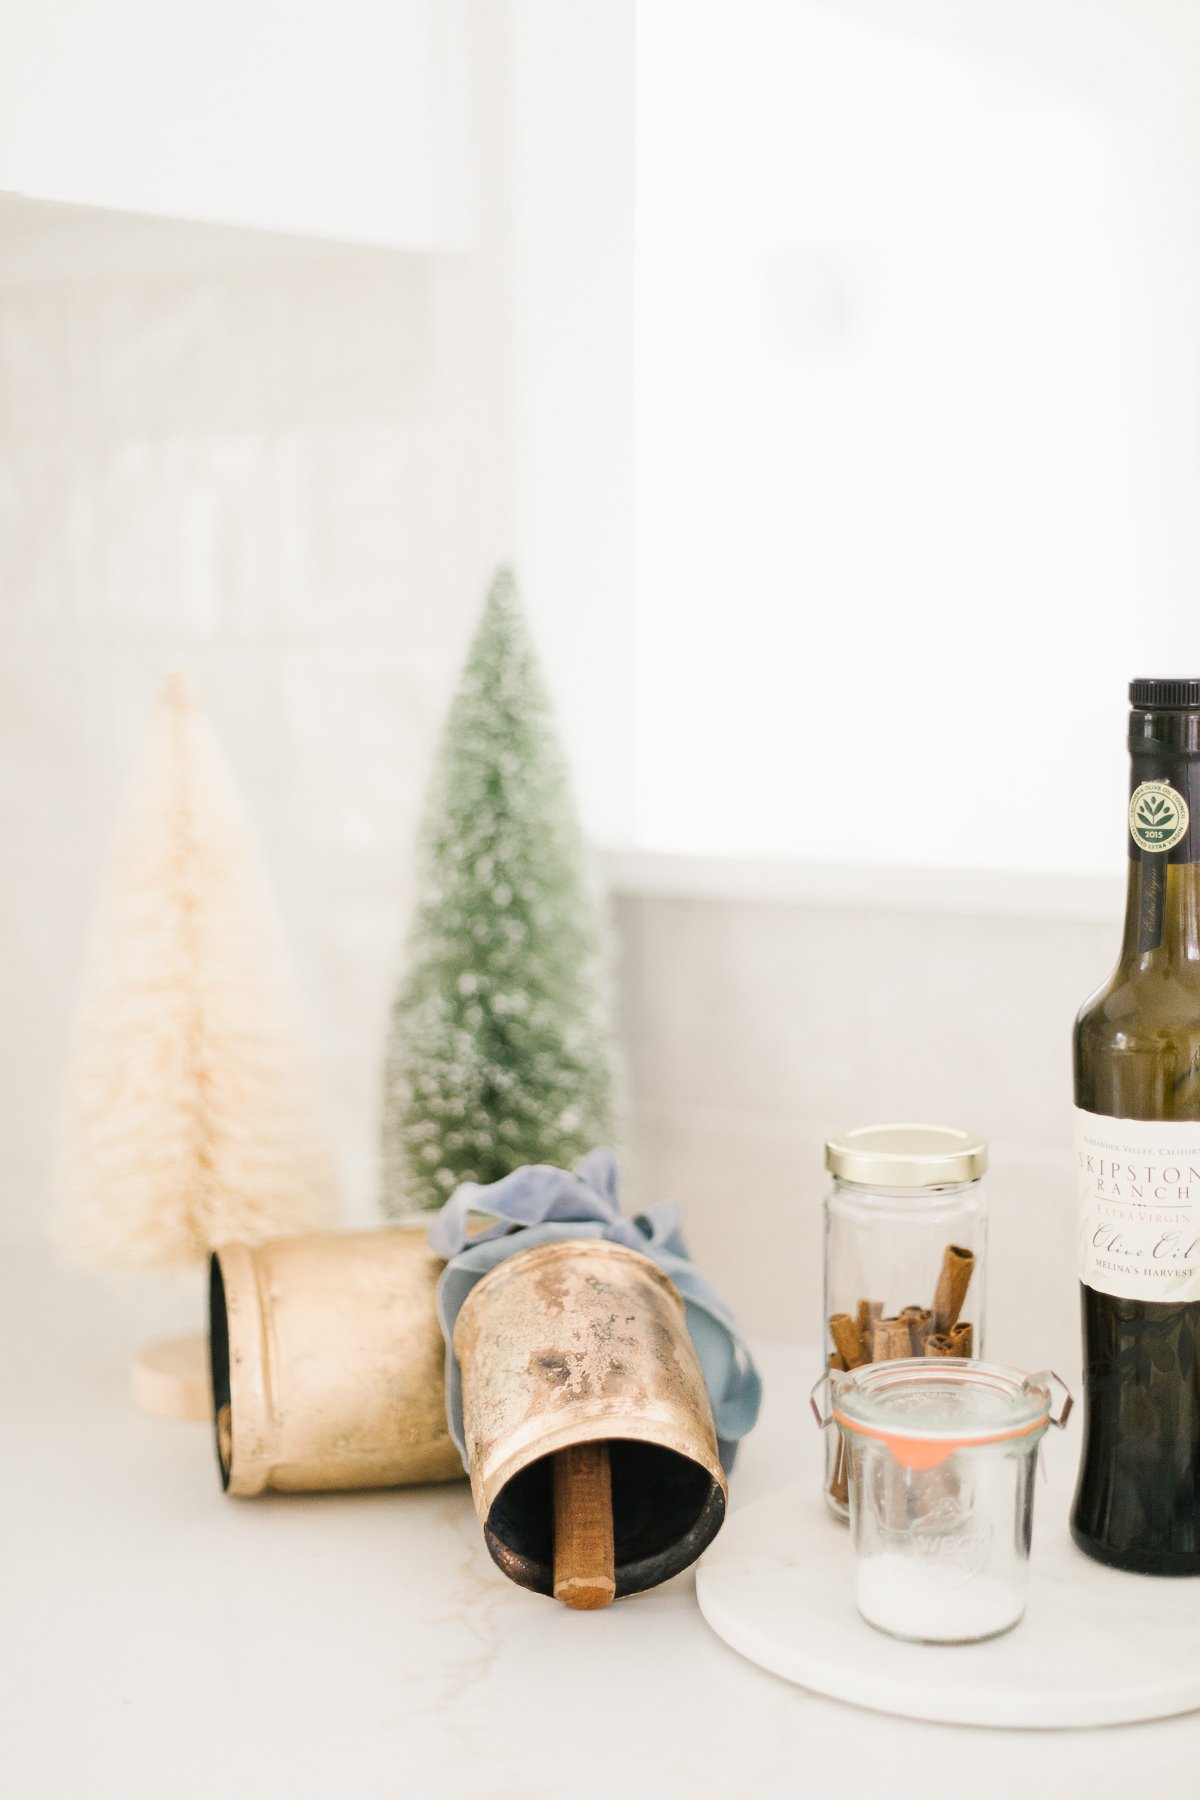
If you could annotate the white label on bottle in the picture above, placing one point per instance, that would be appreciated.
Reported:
(1139, 1206)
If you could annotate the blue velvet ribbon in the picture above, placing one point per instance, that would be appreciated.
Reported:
(543, 1205)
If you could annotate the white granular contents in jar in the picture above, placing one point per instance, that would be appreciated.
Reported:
(896, 1595)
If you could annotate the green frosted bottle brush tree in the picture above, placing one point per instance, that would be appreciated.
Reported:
(499, 1050)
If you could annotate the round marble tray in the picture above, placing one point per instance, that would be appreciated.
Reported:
(1096, 1646)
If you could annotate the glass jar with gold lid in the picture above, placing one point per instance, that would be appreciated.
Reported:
(905, 1253)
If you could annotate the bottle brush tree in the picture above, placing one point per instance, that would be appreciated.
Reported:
(190, 1118)
(499, 1051)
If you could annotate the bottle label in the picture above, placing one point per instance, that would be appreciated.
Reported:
(1139, 1206)
(1158, 815)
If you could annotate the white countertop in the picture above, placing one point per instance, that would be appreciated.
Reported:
(160, 1640)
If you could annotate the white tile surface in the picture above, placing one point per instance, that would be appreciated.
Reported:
(161, 1638)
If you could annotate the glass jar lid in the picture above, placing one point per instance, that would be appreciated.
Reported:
(923, 1412)
(899, 1156)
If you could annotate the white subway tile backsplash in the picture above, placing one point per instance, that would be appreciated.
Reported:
(46, 529)
(843, 1015)
(751, 1189)
(362, 336)
(156, 356)
(752, 1030)
(348, 337)
(755, 1006)
(355, 523)
(36, 389)
(358, 727)
(242, 474)
(971, 1019)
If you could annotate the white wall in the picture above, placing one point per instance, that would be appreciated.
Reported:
(346, 120)
(573, 113)
(918, 376)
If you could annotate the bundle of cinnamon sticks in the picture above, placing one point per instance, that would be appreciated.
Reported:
(936, 1330)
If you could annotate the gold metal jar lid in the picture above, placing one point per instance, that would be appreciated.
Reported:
(906, 1155)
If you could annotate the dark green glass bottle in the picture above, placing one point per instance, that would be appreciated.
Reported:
(1137, 1099)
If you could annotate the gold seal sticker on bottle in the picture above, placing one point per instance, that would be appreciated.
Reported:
(1158, 815)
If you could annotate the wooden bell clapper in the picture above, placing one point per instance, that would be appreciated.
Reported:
(584, 1568)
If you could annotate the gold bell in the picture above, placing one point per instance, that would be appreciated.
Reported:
(584, 1343)
(328, 1364)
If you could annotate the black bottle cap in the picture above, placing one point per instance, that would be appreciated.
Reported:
(1165, 690)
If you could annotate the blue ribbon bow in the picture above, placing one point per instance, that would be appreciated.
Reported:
(541, 1205)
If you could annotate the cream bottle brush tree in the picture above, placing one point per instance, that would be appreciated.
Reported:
(190, 1117)
(499, 1052)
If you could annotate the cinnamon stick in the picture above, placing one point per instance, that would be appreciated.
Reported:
(962, 1336)
(847, 1339)
(917, 1320)
(891, 1339)
(938, 1344)
(952, 1284)
(868, 1312)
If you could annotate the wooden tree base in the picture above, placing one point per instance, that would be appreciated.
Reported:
(171, 1378)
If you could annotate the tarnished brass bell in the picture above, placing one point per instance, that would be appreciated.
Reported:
(580, 1342)
(328, 1363)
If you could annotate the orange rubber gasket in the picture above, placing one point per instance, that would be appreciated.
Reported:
(928, 1452)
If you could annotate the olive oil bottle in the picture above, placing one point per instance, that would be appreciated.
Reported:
(1137, 1142)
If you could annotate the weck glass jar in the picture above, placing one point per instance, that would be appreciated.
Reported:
(941, 1457)
(905, 1254)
